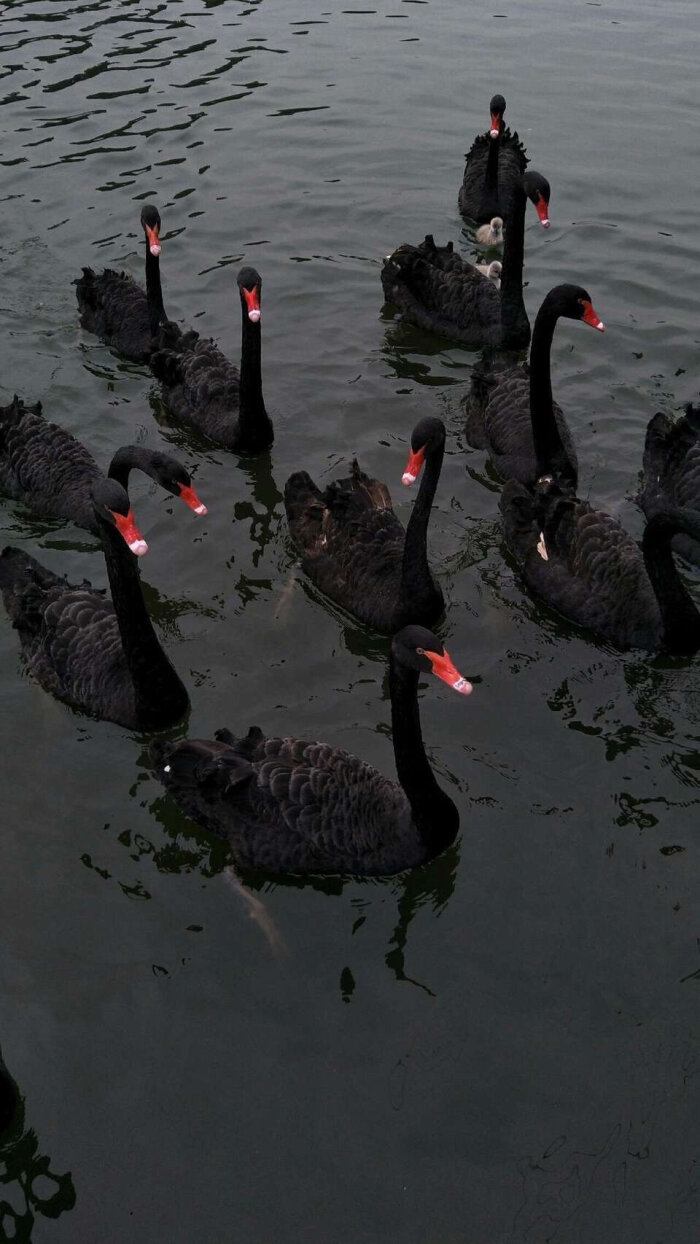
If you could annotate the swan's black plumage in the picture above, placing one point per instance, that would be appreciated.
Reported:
(118, 310)
(44, 466)
(203, 389)
(355, 549)
(511, 412)
(287, 805)
(495, 164)
(672, 471)
(437, 290)
(99, 655)
(588, 568)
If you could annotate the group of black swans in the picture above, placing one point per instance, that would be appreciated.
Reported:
(284, 804)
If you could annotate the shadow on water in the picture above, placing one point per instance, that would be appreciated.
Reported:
(25, 1174)
(414, 355)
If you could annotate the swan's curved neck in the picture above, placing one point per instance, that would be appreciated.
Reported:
(433, 811)
(159, 694)
(154, 293)
(550, 453)
(416, 579)
(127, 459)
(515, 330)
(679, 615)
(254, 422)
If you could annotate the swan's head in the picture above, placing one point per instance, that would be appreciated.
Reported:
(497, 228)
(496, 108)
(538, 192)
(168, 472)
(113, 508)
(427, 436)
(417, 648)
(150, 221)
(249, 288)
(574, 302)
(494, 270)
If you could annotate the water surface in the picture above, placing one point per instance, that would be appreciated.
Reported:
(501, 1047)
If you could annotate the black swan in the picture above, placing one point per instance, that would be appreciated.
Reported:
(495, 163)
(437, 290)
(354, 548)
(99, 655)
(47, 468)
(202, 389)
(116, 309)
(672, 471)
(588, 568)
(286, 805)
(511, 412)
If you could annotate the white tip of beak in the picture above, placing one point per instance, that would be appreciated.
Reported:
(600, 326)
(545, 224)
(254, 316)
(464, 687)
(201, 509)
(154, 249)
(493, 133)
(407, 478)
(139, 547)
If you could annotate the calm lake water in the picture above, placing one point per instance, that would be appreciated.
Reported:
(501, 1048)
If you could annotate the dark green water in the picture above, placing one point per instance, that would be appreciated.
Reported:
(503, 1048)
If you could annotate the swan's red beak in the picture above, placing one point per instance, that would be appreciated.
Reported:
(153, 239)
(191, 499)
(590, 317)
(252, 297)
(495, 125)
(413, 466)
(126, 526)
(543, 211)
(444, 669)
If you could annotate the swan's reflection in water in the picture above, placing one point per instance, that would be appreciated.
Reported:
(28, 1186)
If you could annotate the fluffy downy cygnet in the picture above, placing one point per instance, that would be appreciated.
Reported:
(492, 234)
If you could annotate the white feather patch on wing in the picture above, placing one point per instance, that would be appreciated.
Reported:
(542, 548)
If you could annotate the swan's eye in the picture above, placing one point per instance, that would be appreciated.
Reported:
(421, 652)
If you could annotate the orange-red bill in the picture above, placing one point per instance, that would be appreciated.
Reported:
(153, 240)
(252, 297)
(413, 466)
(590, 316)
(444, 669)
(495, 125)
(191, 499)
(543, 211)
(126, 526)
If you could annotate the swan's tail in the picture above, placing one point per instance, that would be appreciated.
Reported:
(23, 584)
(196, 763)
(306, 509)
(14, 413)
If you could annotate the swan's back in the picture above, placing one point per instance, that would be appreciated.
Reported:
(512, 162)
(507, 428)
(287, 805)
(437, 290)
(351, 542)
(70, 638)
(44, 466)
(201, 386)
(593, 572)
(116, 309)
(672, 471)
